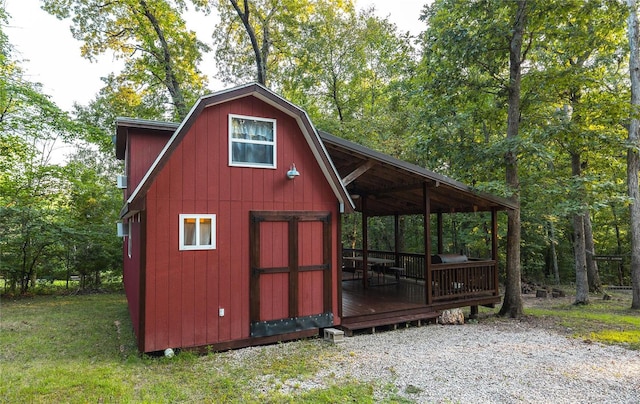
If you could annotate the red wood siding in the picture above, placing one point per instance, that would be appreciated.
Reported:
(131, 272)
(310, 292)
(274, 241)
(186, 289)
(143, 148)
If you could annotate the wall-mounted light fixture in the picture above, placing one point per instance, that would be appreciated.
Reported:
(293, 172)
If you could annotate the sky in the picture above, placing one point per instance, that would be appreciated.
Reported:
(51, 56)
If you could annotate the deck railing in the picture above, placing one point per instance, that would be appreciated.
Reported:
(463, 279)
(448, 281)
(411, 262)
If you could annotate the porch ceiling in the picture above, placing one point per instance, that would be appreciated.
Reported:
(392, 186)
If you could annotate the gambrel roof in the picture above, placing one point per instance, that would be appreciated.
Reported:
(135, 200)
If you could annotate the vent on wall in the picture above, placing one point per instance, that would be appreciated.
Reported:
(122, 181)
(123, 229)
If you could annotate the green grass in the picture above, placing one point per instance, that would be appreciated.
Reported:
(606, 321)
(79, 349)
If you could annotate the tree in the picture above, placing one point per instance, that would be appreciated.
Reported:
(570, 109)
(94, 204)
(347, 70)
(29, 219)
(254, 38)
(31, 127)
(633, 151)
(475, 49)
(512, 304)
(579, 65)
(160, 54)
(49, 211)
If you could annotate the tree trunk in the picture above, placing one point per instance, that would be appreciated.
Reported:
(554, 254)
(170, 80)
(633, 159)
(582, 283)
(512, 303)
(579, 248)
(593, 274)
(616, 225)
(258, 51)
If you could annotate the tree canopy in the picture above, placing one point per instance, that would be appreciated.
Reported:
(525, 99)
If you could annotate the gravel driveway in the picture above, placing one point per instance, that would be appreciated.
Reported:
(492, 363)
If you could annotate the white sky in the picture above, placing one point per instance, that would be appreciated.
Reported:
(52, 57)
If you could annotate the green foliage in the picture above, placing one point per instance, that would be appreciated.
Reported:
(574, 97)
(49, 212)
(160, 55)
(348, 73)
(267, 38)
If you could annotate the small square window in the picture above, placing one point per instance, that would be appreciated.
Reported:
(252, 141)
(197, 232)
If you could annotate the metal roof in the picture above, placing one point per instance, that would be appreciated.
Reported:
(392, 186)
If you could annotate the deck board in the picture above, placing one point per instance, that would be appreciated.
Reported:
(380, 298)
(393, 302)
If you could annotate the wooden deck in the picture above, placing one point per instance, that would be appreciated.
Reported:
(391, 303)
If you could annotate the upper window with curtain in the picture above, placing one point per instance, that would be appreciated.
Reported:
(252, 141)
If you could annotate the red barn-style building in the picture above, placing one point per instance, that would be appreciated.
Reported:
(223, 248)
(232, 226)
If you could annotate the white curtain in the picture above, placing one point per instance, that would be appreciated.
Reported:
(205, 231)
(189, 232)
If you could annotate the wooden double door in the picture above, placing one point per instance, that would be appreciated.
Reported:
(291, 272)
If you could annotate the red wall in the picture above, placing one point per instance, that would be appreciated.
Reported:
(131, 271)
(185, 289)
(142, 148)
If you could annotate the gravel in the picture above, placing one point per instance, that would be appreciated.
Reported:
(484, 363)
(507, 362)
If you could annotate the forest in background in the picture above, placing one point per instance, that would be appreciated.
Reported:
(442, 100)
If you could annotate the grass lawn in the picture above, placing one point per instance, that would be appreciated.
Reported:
(606, 321)
(79, 349)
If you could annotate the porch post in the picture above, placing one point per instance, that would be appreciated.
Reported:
(440, 241)
(428, 281)
(365, 243)
(494, 249)
(340, 262)
(396, 229)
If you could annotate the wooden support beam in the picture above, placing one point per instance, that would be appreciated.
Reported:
(427, 243)
(494, 249)
(353, 175)
(416, 186)
(440, 241)
(396, 234)
(365, 243)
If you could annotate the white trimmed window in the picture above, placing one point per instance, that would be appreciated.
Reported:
(197, 232)
(252, 141)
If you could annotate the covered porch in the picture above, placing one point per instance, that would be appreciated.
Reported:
(394, 287)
